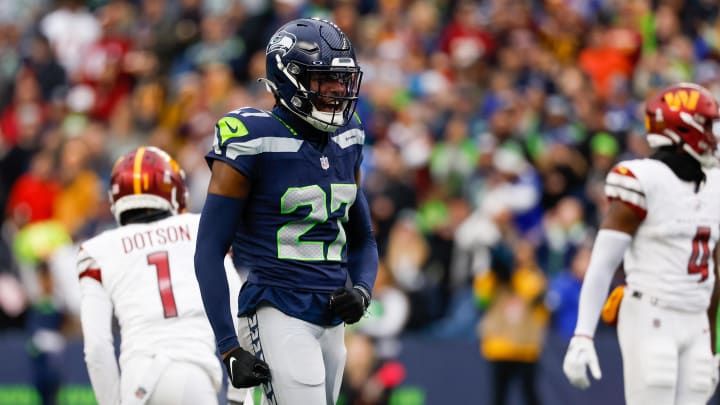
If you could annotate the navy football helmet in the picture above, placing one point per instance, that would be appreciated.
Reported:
(312, 71)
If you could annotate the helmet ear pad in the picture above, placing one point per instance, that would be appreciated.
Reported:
(303, 59)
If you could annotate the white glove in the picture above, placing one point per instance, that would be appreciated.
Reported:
(581, 354)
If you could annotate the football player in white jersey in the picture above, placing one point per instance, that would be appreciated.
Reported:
(663, 224)
(143, 272)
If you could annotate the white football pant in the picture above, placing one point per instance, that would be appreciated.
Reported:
(306, 360)
(180, 383)
(666, 353)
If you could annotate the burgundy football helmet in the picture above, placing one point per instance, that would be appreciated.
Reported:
(687, 115)
(147, 177)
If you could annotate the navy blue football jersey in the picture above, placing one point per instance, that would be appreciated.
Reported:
(292, 238)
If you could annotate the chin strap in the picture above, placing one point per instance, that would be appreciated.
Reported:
(270, 86)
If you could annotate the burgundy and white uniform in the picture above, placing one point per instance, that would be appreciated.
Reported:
(144, 274)
(663, 326)
(667, 251)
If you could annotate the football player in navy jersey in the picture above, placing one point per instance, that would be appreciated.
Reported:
(285, 196)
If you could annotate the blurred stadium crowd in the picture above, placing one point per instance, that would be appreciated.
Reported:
(491, 125)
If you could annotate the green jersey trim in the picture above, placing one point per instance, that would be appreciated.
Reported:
(289, 128)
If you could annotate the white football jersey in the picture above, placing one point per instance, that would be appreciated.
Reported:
(671, 255)
(148, 272)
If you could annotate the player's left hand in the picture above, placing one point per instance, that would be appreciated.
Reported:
(349, 304)
(579, 357)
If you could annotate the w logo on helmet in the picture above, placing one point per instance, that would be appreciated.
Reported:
(682, 99)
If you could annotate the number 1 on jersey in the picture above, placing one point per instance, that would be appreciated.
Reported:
(162, 267)
(700, 256)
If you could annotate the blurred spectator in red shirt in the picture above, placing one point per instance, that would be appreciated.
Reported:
(34, 193)
(464, 39)
(611, 53)
(104, 66)
(27, 108)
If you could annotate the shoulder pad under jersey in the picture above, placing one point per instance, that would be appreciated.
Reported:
(624, 185)
(250, 131)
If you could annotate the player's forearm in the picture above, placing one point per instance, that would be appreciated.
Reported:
(96, 319)
(607, 254)
(218, 223)
(362, 247)
(105, 382)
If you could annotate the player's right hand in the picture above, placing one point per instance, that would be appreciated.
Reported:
(581, 355)
(244, 369)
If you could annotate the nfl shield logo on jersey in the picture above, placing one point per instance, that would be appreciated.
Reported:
(140, 393)
(324, 163)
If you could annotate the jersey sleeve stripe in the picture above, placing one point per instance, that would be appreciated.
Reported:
(262, 145)
(625, 194)
(625, 182)
(621, 184)
(255, 114)
(92, 273)
(84, 260)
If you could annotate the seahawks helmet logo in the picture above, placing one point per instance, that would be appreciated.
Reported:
(281, 42)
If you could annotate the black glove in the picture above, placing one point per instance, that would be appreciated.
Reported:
(349, 303)
(244, 369)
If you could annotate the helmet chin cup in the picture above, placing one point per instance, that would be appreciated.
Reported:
(319, 120)
(326, 121)
(707, 160)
